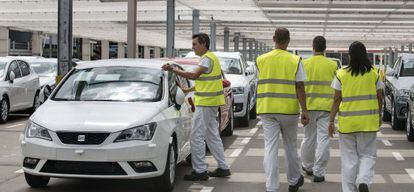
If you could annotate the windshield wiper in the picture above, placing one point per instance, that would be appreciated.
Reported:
(135, 81)
(100, 100)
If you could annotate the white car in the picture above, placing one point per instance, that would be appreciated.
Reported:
(118, 119)
(47, 69)
(19, 87)
(243, 82)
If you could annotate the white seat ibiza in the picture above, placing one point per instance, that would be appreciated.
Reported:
(121, 119)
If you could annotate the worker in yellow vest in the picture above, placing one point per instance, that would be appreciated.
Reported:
(320, 71)
(279, 93)
(358, 100)
(208, 97)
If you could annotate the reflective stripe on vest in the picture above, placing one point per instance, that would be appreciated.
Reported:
(320, 71)
(209, 87)
(276, 91)
(358, 111)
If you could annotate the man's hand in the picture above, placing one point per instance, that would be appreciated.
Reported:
(304, 119)
(167, 67)
(331, 129)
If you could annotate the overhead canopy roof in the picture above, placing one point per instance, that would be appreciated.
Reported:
(377, 23)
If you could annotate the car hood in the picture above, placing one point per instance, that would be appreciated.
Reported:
(404, 83)
(46, 80)
(94, 116)
(237, 80)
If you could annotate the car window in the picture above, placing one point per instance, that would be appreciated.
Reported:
(2, 67)
(396, 66)
(127, 84)
(407, 68)
(24, 67)
(15, 68)
(230, 65)
(45, 68)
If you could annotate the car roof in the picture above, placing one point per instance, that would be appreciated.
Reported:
(235, 55)
(40, 59)
(407, 56)
(147, 63)
(6, 59)
(185, 60)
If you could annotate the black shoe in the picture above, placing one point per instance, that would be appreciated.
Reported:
(194, 176)
(363, 187)
(295, 188)
(219, 172)
(317, 179)
(309, 173)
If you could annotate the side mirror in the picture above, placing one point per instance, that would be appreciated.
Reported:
(12, 76)
(226, 83)
(390, 73)
(249, 70)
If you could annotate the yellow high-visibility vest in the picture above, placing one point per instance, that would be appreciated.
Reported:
(209, 87)
(276, 91)
(358, 111)
(320, 71)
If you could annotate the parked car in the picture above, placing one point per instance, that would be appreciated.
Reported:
(396, 94)
(47, 69)
(338, 61)
(19, 87)
(243, 82)
(117, 119)
(410, 116)
(225, 114)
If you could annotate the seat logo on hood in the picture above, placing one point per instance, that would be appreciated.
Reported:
(81, 138)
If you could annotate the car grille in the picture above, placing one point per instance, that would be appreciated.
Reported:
(79, 138)
(82, 168)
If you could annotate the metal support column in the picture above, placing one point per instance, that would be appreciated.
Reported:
(170, 27)
(402, 48)
(196, 21)
(213, 36)
(251, 49)
(132, 28)
(236, 42)
(410, 48)
(261, 48)
(256, 50)
(226, 39)
(244, 48)
(65, 12)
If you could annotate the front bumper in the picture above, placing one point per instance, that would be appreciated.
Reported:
(110, 160)
(240, 104)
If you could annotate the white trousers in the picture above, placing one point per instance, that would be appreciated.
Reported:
(206, 128)
(315, 146)
(273, 126)
(358, 154)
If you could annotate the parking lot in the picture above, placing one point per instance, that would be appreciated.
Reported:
(394, 170)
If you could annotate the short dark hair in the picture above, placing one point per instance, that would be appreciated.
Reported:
(203, 39)
(319, 44)
(282, 35)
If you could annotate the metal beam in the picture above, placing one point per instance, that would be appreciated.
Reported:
(170, 27)
(196, 21)
(244, 47)
(250, 49)
(226, 39)
(132, 28)
(65, 12)
(236, 42)
(213, 36)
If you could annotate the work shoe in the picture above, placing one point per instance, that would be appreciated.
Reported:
(219, 172)
(317, 179)
(309, 173)
(363, 187)
(295, 188)
(194, 176)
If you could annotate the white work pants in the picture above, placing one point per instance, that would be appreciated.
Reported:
(315, 146)
(273, 126)
(206, 128)
(358, 154)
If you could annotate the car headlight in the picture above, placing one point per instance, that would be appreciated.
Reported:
(404, 93)
(143, 132)
(238, 90)
(34, 130)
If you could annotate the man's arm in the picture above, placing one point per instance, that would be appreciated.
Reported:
(334, 111)
(193, 75)
(300, 93)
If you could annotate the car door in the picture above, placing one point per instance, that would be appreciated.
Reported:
(252, 84)
(17, 89)
(28, 83)
(186, 111)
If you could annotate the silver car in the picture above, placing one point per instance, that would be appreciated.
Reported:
(19, 87)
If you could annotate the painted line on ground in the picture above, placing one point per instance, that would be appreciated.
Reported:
(16, 125)
(253, 131)
(398, 156)
(246, 140)
(386, 142)
(236, 153)
(207, 189)
(410, 172)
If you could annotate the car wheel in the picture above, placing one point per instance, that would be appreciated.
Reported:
(228, 131)
(410, 129)
(386, 116)
(253, 114)
(165, 182)
(244, 121)
(4, 110)
(36, 103)
(36, 181)
(396, 124)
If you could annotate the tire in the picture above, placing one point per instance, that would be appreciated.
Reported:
(386, 116)
(253, 114)
(36, 103)
(228, 131)
(396, 124)
(165, 183)
(36, 181)
(4, 110)
(410, 128)
(244, 121)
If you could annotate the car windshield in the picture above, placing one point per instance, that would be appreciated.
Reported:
(407, 68)
(127, 84)
(2, 67)
(230, 65)
(45, 68)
